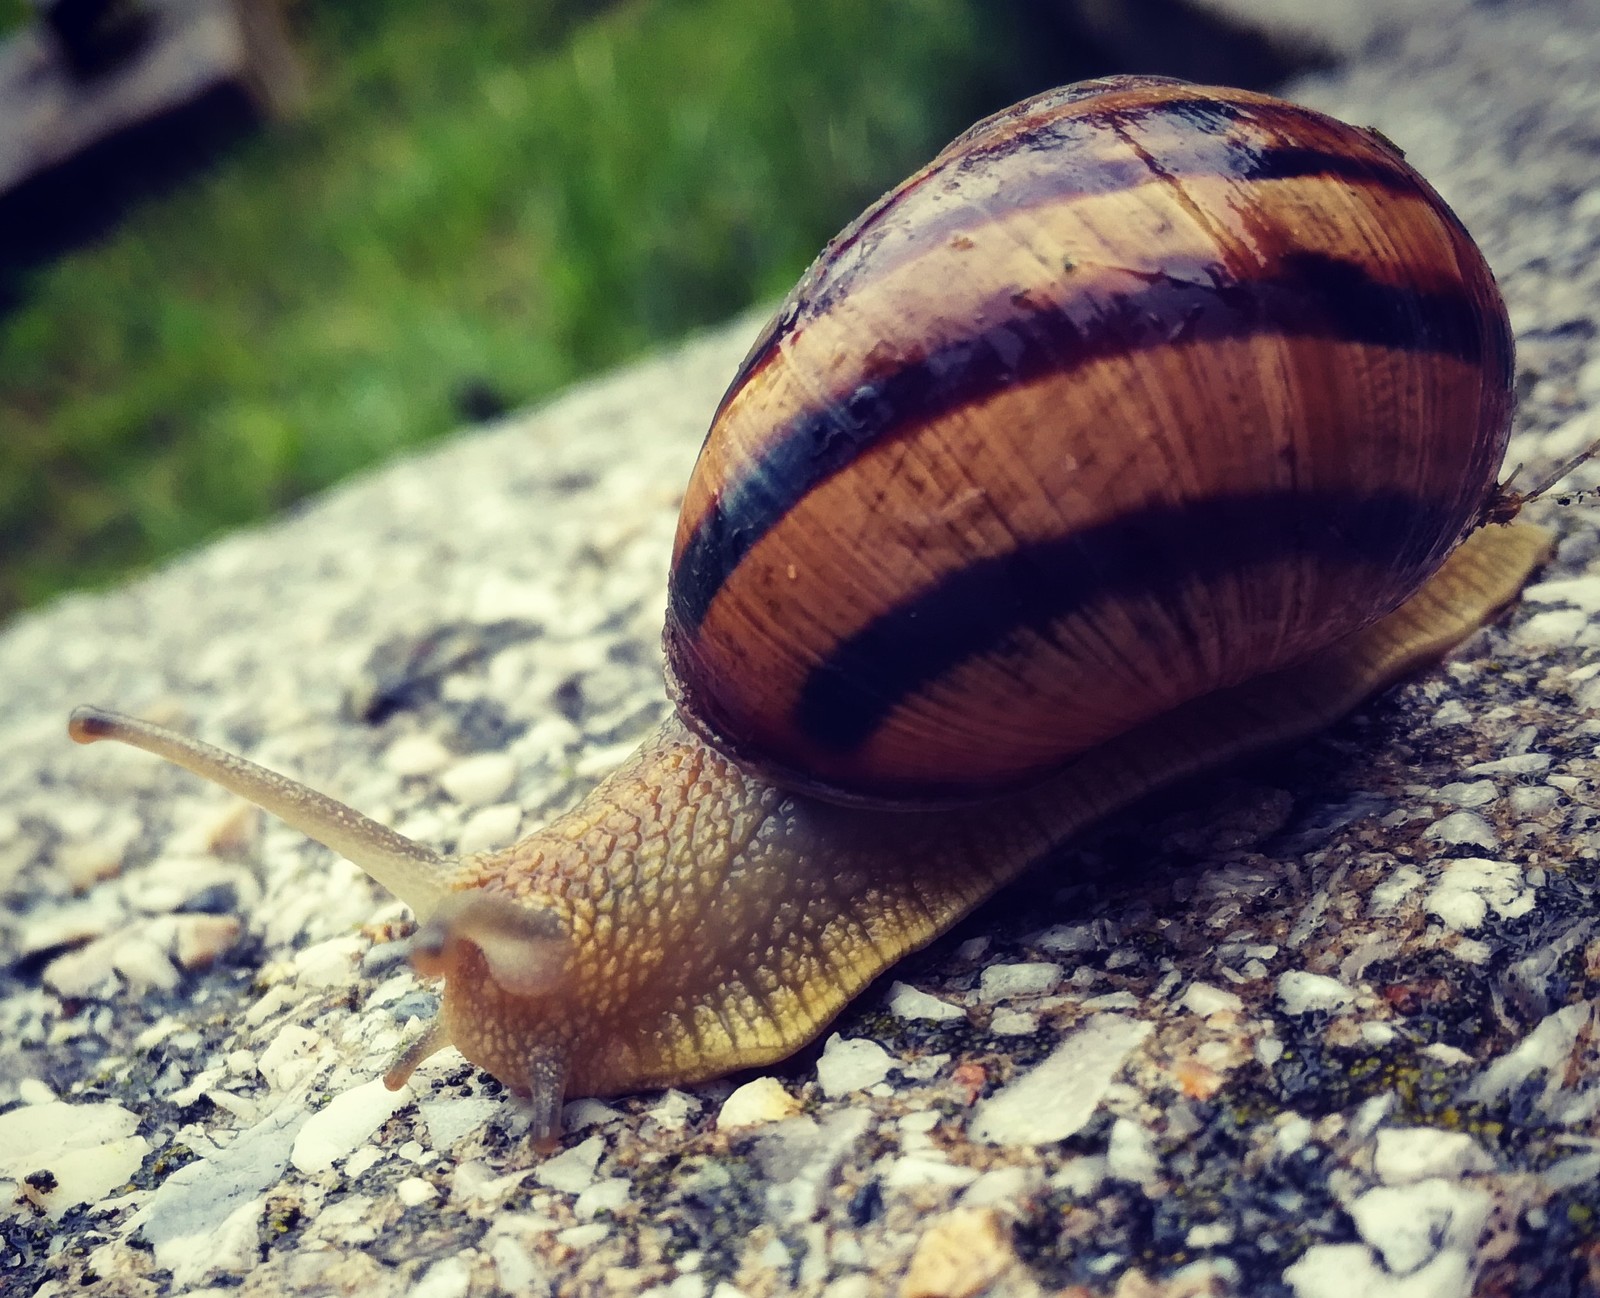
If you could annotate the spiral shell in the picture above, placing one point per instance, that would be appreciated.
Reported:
(1138, 390)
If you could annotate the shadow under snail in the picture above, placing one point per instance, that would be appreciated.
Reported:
(1149, 425)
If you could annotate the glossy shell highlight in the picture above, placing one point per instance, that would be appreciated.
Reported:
(1139, 390)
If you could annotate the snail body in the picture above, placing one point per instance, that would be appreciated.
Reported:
(1148, 426)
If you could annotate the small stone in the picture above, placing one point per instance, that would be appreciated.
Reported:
(1475, 793)
(1004, 1187)
(1520, 764)
(572, 1171)
(1552, 628)
(330, 964)
(447, 1278)
(1463, 827)
(1068, 939)
(1302, 992)
(86, 974)
(199, 939)
(908, 1002)
(674, 1110)
(1205, 1000)
(1131, 1154)
(362, 1161)
(293, 1055)
(30, 1090)
(763, 1100)
(1409, 1225)
(583, 1237)
(449, 1117)
(960, 1255)
(417, 755)
(610, 1195)
(490, 828)
(480, 779)
(344, 1123)
(1057, 1097)
(413, 1191)
(1013, 1023)
(1470, 887)
(1008, 981)
(62, 929)
(87, 1150)
(854, 1065)
(926, 1169)
(1408, 1154)
(1534, 799)
(143, 961)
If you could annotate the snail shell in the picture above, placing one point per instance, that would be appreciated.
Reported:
(1138, 390)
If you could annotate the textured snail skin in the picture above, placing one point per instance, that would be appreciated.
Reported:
(1139, 432)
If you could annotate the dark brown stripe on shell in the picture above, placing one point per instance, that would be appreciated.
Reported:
(1308, 296)
(1210, 148)
(985, 607)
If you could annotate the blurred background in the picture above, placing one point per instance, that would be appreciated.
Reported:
(248, 248)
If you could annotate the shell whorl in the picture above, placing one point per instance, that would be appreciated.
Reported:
(1138, 390)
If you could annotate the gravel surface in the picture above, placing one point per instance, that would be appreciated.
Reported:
(1324, 1026)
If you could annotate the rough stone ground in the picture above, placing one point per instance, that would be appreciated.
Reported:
(1324, 1026)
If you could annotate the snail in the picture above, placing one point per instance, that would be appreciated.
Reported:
(1147, 426)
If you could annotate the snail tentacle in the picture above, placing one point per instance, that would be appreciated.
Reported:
(417, 875)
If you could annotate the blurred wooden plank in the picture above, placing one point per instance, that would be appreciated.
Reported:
(190, 77)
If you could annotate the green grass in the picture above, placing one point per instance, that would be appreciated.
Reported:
(495, 198)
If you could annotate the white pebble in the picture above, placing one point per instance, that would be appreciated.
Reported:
(144, 962)
(1520, 764)
(572, 1171)
(291, 1057)
(480, 779)
(1003, 1187)
(89, 1149)
(610, 1195)
(1409, 1225)
(1534, 800)
(1552, 628)
(1471, 793)
(674, 1110)
(1067, 939)
(1013, 1023)
(1387, 896)
(449, 1117)
(1131, 1153)
(1205, 1000)
(1301, 992)
(854, 1065)
(490, 828)
(446, 1278)
(413, 1191)
(1408, 1154)
(1006, 981)
(909, 1003)
(417, 755)
(1058, 1096)
(199, 939)
(345, 1123)
(763, 1100)
(922, 1169)
(1470, 887)
(1463, 827)
(331, 963)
